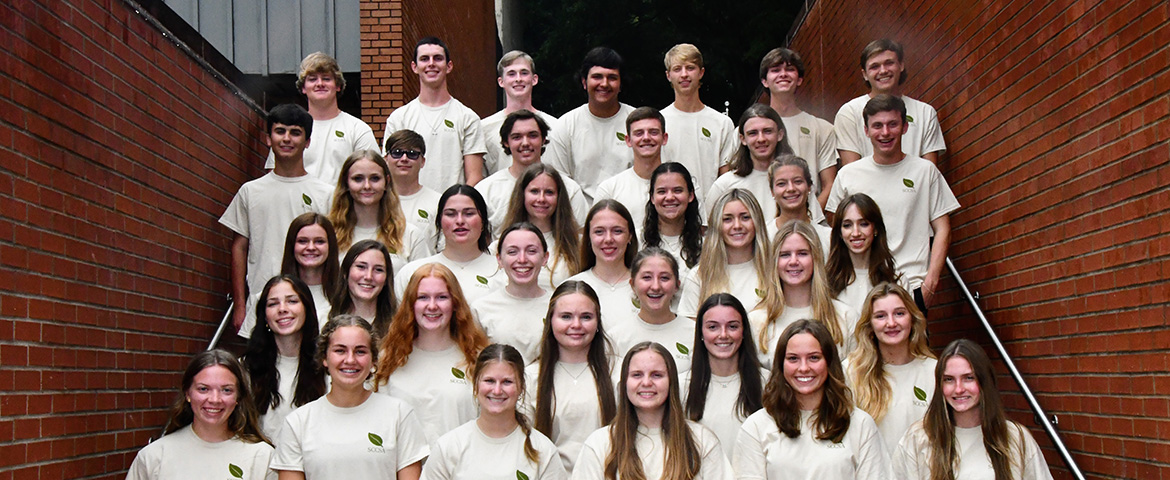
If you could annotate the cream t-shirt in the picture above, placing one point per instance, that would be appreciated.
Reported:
(182, 455)
(576, 412)
(743, 283)
(420, 209)
(512, 320)
(763, 452)
(651, 450)
(720, 412)
(701, 141)
(618, 305)
(813, 140)
(450, 132)
(628, 189)
(437, 386)
(677, 336)
(466, 453)
(273, 420)
(911, 386)
(588, 148)
(912, 460)
(923, 133)
(846, 321)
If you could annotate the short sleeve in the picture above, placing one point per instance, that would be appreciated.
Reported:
(288, 455)
(412, 441)
(471, 141)
(836, 194)
(872, 460)
(845, 129)
(142, 468)
(589, 464)
(560, 146)
(436, 467)
(932, 135)
(826, 147)
(714, 465)
(730, 144)
(942, 199)
(908, 462)
(748, 459)
(688, 303)
(236, 215)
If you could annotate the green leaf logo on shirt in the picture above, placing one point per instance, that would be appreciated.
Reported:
(448, 123)
(423, 213)
(759, 293)
(458, 373)
(637, 304)
(521, 476)
(339, 133)
(706, 133)
(621, 136)
(235, 471)
(908, 182)
(481, 279)
(305, 198)
(909, 119)
(919, 394)
(805, 130)
(682, 348)
(376, 440)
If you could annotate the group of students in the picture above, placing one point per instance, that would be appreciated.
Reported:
(764, 310)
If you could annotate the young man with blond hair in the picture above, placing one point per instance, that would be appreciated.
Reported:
(701, 138)
(517, 76)
(884, 73)
(336, 134)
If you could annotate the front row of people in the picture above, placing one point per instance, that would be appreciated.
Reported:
(384, 417)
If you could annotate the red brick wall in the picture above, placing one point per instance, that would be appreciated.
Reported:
(390, 29)
(118, 153)
(1056, 121)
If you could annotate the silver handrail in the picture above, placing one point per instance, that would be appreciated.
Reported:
(222, 324)
(1049, 425)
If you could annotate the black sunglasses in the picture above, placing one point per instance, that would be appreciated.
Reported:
(411, 154)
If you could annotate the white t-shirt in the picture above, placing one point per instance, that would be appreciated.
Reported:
(911, 194)
(763, 452)
(475, 277)
(742, 281)
(512, 320)
(630, 190)
(678, 336)
(497, 194)
(466, 453)
(911, 388)
(373, 440)
(450, 132)
(720, 412)
(673, 245)
(419, 209)
(854, 294)
(813, 140)
(618, 303)
(273, 420)
(590, 149)
(331, 142)
(437, 385)
(912, 460)
(757, 183)
(576, 412)
(320, 302)
(846, 320)
(495, 159)
(414, 245)
(701, 141)
(823, 234)
(923, 133)
(182, 455)
(713, 465)
(261, 211)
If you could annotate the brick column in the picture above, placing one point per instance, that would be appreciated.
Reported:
(382, 61)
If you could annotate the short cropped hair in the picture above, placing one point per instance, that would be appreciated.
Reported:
(512, 57)
(522, 114)
(643, 113)
(603, 57)
(319, 62)
(683, 53)
(781, 56)
(883, 103)
(406, 140)
(431, 41)
(292, 115)
(878, 46)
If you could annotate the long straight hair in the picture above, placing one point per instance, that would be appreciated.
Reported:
(692, 233)
(822, 301)
(867, 372)
(939, 423)
(260, 357)
(566, 238)
(832, 417)
(342, 301)
(682, 457)
(839, 267)
(289, 266)
(741, 162)
(588, 258)
(550, 354)
(391, 223)
(508, 355)
(243, 422)
(751, 388)
(712, 271)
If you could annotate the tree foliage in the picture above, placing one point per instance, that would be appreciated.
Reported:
(732, 36)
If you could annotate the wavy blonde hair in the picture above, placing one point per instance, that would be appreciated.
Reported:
(391, 223)
(712, 270)
(822, 301)
(866, 373)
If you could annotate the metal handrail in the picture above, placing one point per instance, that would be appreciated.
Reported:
(222, 324)
(1049, 425)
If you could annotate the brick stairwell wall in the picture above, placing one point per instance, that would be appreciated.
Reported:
(1056, 117)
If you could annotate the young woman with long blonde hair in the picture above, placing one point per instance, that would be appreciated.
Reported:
(366, 207)
(735, 255)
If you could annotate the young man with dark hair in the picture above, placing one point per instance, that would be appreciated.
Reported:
(645, 136)
(524, 135)
(589, 144)
(782, 72)
(261, 211)
(914, 198)
(884, 73)
(450, 129)
(701, 138)
(336, 134)
(517, 76)
(406, 153)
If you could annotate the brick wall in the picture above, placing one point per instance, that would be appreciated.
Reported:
(390, 29)
(118, 152)
(1056, 117)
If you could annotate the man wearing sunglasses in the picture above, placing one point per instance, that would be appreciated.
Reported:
(405, 152)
